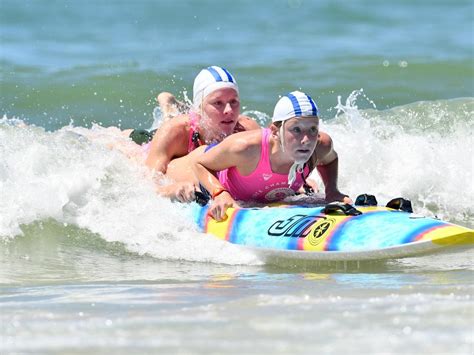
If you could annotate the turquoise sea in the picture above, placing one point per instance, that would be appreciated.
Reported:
(92, 261)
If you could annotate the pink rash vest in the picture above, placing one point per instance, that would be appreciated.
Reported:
(262, 185)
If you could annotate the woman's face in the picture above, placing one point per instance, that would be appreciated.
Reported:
(220, 112)
(301, 137)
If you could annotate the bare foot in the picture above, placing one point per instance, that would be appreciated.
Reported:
(170, 107)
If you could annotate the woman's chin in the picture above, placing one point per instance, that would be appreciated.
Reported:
(301, 157)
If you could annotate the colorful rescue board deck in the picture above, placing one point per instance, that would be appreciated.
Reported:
(308, 233)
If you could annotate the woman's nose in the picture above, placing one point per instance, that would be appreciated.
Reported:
(227, 108)
(306, 139)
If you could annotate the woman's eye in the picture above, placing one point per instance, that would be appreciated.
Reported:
(297, 130)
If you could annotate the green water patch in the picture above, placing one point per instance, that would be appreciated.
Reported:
(90, 95)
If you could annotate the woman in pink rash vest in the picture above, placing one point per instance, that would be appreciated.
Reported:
(215, 115)
(270, 164)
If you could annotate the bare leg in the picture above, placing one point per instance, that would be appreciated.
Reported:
(170, 107)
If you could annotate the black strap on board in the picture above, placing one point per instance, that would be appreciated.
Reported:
(338, 208)
(400, 204)
(366, 200)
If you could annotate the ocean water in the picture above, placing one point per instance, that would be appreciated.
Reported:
(93, 261)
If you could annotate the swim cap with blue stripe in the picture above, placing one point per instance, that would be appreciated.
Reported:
(294, 104)
(209, 80)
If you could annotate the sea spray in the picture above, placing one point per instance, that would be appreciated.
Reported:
(96, 180)
(408, 151)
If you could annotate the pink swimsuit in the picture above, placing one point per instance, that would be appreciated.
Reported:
(193, 141)
(262, 185)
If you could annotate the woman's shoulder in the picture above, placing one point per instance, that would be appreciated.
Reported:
(246, 123)
(325, 140)
(176, 124)
(172, 135)
(245, 140)
(324, 150)
(250, 136)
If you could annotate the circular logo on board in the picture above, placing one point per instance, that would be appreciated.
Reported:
(320, 231)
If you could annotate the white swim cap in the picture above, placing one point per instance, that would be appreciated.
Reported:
(209, 80)
(294, 104)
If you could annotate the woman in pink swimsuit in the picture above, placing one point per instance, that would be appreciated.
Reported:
(215, 114)
(270, 164)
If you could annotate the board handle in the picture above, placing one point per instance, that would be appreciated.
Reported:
(400, 204)
(366, 200)
(337, 208)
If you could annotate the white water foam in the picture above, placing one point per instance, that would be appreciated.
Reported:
(95, 179)
(78, 176)
(421, 151)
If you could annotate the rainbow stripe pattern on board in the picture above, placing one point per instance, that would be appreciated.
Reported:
(307, 232)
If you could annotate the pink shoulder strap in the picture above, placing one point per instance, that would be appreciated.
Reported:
(193, 132)
(265, 154)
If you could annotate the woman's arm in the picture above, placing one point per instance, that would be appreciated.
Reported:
(180, 171)
(170, 141)
(328, 169)
(234, 151)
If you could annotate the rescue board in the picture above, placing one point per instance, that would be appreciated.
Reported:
(308, 232)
